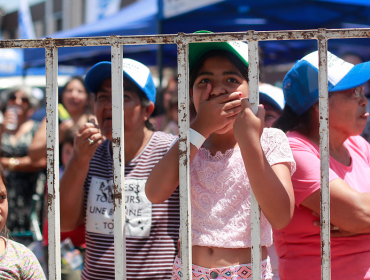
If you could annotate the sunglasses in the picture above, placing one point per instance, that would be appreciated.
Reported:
(356, 92)
(13, 98)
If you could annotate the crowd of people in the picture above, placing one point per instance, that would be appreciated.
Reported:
(274, 153)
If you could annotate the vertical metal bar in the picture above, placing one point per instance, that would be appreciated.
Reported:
(118, 160)
(184, 148)
(52, 145)
(324, 158)
(255, 215)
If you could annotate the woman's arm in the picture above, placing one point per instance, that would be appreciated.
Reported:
(349, 209)
(164, 178)
(37, 149)
(271, 185)
(23, 164)
(72, 194)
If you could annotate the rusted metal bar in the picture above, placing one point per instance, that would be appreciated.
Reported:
(255, 209)
(324, 157)
(118, 144)
(186, 38)
(52, 145)
(184, 160)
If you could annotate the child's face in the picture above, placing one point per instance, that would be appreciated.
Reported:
(224, 77)
(271, 115)
(67, 150)
(3, 205)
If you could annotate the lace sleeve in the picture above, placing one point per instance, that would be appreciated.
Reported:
(275, 145)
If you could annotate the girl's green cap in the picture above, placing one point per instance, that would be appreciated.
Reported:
(197, 50)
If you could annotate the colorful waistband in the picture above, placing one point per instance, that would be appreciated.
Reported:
(243, 271)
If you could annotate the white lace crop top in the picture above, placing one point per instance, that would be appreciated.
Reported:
(220, 194)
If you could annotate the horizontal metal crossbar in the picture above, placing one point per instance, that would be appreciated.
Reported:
(185, 38)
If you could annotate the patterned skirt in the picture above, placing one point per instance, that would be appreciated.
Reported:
(243, 271)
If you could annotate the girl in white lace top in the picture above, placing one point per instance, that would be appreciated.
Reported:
(237, 155)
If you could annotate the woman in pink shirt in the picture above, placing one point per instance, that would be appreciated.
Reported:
(227, 142)
(298, 245)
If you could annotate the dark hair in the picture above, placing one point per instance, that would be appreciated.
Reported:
(5, 230)
(291, 121)
(221, 53)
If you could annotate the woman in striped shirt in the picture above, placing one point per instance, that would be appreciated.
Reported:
(87, 183)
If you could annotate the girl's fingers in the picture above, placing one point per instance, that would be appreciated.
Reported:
(232, 104)
(261, 112)
(225, 98)
(245, 103)
(233, 111)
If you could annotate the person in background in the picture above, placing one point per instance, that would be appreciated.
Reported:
(16, 260)
(74, 109)
(22, 174)
(172, 114)
(299, 244)
(86, 187)
(272, 98)
(161, 121)
(356, 59)
(273, 101)
(168, 121)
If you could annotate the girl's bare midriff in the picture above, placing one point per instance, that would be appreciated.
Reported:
(212, 257)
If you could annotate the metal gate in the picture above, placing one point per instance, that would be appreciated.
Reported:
(182, 41)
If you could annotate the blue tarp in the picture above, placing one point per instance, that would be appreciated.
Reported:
(141, 18)
(11, 62)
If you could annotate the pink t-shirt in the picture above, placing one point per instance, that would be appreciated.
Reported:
(220, 194)
(298, 245)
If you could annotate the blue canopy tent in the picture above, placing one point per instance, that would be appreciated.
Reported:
(11, 62)
(143, 18)
(236, 15)
(139, 18)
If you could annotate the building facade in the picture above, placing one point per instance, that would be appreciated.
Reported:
(50, 16)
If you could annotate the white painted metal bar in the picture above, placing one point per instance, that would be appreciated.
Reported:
(184, 160)
(324, 158)
(52, 137)
(255, 209)
(173, 38)
(118, 144)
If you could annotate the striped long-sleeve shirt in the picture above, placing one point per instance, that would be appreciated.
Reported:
(151, 229)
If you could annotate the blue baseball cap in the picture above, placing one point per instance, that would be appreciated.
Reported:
(300, 84)
(133, 70)
(272, 95)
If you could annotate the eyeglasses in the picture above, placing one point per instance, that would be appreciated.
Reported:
(13, 98)
(356, 92)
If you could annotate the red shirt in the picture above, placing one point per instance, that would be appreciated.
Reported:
(298, 245)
